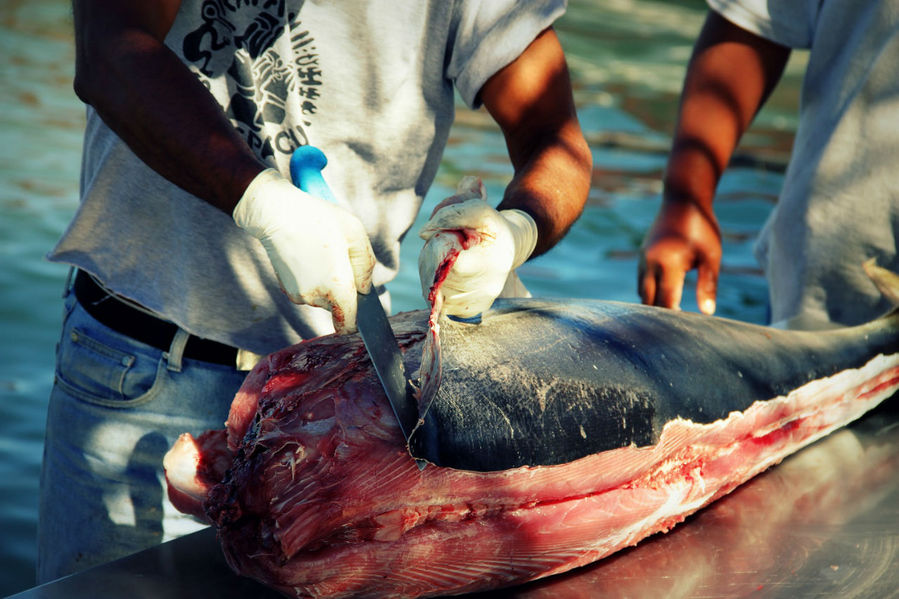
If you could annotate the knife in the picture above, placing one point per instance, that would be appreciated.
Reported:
(306, 165)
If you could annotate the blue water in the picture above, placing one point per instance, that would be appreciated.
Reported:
(627, 59)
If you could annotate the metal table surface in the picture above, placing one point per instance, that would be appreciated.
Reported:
(824, 523)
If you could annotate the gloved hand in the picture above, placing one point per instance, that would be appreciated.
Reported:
(491, 244)
(320, 251)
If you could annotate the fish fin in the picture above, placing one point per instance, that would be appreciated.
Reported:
(886, 281)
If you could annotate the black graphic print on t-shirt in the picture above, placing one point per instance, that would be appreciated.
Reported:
(237, 40)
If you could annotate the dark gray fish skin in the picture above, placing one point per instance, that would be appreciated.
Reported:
(547, 382)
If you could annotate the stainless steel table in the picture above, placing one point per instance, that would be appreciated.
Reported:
(824, 523)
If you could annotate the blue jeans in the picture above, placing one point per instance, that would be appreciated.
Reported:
(116, 407)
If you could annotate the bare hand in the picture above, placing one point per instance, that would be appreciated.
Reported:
(683, 237)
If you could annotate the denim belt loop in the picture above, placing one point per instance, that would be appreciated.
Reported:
(70, 283)
(176, 350)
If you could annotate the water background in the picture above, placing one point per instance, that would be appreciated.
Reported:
(627, 59)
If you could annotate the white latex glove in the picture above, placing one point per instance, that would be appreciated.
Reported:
(491, 244)
(320, 251)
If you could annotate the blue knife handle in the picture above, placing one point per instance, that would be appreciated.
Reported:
(306, 166)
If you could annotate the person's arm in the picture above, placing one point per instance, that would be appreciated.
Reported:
(729, 77)
(148, 97)
(144, 93)
(531, 101)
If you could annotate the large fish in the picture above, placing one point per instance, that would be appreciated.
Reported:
(561, 432)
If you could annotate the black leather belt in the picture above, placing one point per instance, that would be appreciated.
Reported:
(143, 327)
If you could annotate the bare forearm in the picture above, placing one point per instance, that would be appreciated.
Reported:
(157, 106)
(730, 76)
(531, 101)
(552, 185)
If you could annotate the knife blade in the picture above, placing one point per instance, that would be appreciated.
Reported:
(380, 342)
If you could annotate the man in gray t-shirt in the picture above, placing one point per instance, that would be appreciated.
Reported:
(191, 245)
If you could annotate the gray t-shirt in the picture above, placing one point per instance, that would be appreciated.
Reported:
(839, 202)
(370, 82)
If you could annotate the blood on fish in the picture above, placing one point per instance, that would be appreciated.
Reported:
(443, 270)
(431, 365)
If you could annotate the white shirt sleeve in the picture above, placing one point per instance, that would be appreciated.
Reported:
(790, 23)
(490, 34)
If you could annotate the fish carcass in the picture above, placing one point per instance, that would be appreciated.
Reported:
(561, 432)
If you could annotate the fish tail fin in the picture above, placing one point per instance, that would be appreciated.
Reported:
(886, 281)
